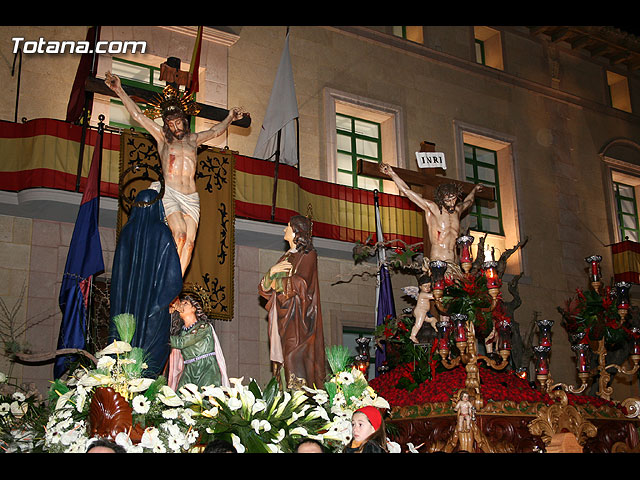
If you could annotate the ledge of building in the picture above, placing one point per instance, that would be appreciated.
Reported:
(62, 206)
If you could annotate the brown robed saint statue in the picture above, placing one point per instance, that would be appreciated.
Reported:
(292, 290)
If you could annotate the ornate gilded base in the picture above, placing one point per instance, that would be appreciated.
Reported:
(493, 434)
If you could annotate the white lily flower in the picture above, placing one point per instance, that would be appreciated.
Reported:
(237, 382)
(412, 448)
(3, 377)
(211, 413)
(283, 405)
(115, 348)
(318, 412)
(298, 398)
(190, 393)
(235, 440)
(95, 380)
(63, 399)
(274, 448)
(150, 438)
(393, 447)
(380, 402)
(280, 436)
(299, 431)
(234, 403)
(247, 397)
(259, 406)
(214, 391)
(139, 384)
(169, 397)
(4, 408)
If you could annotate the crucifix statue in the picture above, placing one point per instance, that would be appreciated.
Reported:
(442, 215)
(177, 148)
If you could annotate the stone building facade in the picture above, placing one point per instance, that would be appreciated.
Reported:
(557, 110)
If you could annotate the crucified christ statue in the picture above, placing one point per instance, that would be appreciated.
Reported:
(177, 148)
(442, 215)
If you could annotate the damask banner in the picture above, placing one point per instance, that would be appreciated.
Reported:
(210, 274)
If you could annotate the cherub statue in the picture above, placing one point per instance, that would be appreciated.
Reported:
(466, 412)
(423, 295)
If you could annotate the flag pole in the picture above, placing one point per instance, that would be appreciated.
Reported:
(274, 195)
(275, 178)
(99, 144)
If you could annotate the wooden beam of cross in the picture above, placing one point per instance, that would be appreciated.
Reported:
(424, 183)
(97, 85)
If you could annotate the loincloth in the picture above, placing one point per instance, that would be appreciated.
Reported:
(174, 201)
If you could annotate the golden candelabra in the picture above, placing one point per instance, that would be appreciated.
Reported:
(465, 339)
(582, 347)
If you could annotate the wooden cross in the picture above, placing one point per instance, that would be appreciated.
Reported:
(424, 183)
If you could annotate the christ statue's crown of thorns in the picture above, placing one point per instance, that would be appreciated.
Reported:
(171, 102)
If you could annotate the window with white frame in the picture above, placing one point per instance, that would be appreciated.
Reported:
(359, 128)
(487, 157)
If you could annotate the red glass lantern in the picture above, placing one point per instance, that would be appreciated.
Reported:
(491, 274)
(460, 327)
(545, 332)
(504, 335)
(594, 273)
(542, 363)
(581, 350)
(438, 269)
(465, 242)
(635, 335)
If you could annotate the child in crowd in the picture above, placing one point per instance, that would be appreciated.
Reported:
(368, 432)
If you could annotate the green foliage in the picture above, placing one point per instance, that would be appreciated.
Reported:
(338, 358)
(125, 325)
(596, 316)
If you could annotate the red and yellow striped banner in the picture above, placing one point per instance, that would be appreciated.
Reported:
(626, 261)
(339, 212)
(43, 153)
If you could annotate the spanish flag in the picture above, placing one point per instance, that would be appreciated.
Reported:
(626, 261)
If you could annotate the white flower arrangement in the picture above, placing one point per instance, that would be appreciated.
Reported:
(253, 420)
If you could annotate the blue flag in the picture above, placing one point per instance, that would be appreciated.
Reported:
(385, 305)
(83, 261)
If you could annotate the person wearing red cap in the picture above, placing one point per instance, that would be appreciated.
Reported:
(368, 432)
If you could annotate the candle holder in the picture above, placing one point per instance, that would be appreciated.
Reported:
(545, 332)
(635, 349)
(541, 354)
(362, 358)
(622, 299)
(465, 242)
(504, 338)
(444, 332)
(493, 281)
(460, 329)
(438, 269)
(581, 350)
(465, 338)
(595, 274)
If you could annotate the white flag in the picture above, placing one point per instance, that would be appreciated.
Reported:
(281, 114)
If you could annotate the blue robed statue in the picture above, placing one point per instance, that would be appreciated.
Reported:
(146, 278)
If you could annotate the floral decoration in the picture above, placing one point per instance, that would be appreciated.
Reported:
(596, 316)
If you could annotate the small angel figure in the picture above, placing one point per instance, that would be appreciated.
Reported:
(422, 293)
(466, 412)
